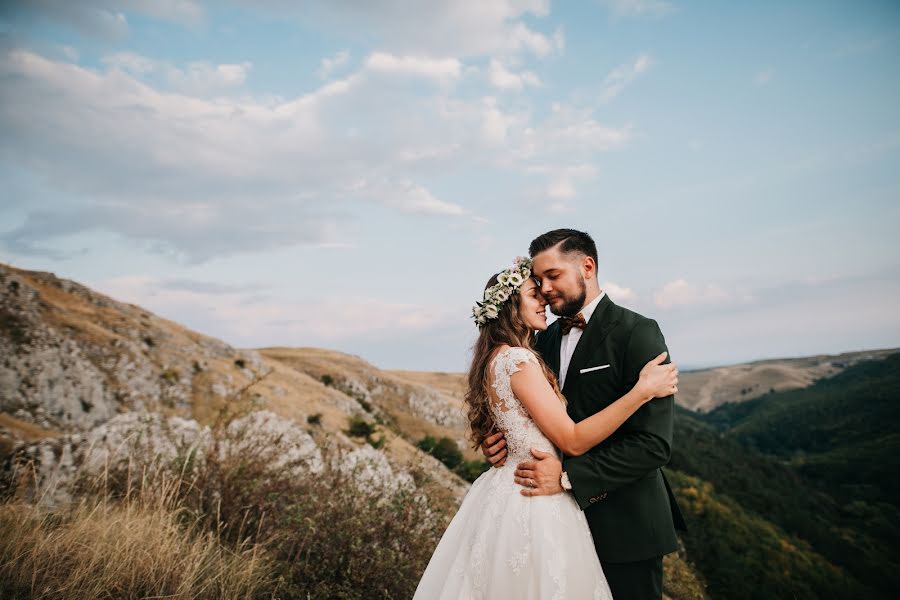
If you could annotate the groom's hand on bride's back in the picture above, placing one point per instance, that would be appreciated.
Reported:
(541, 476)
(494, 449)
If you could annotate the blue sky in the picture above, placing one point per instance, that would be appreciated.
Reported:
(348, 175)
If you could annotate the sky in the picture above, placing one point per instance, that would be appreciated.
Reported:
(348, 175)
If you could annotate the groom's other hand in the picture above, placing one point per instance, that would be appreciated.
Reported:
(494, 449)
(540, 477)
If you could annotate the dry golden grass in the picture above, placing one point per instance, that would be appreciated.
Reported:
(144, 547)
(226, 526)
(680, 581)
(452, 385)
(20, 430)
(25, 430)
(392, 398)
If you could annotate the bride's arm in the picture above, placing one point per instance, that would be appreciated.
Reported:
(534, 392)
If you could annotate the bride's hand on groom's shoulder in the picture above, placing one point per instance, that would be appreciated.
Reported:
(494, 449)
(658, 380)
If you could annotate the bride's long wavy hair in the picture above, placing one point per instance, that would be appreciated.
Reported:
(508, 328)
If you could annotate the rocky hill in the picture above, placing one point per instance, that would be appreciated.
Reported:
(77, 363)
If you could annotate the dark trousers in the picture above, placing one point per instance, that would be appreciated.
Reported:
(641, 580)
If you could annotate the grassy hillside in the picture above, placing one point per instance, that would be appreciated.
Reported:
(743, 555)
(836, 432)
(816, 464)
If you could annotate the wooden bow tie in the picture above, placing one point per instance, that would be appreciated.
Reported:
(567, 323)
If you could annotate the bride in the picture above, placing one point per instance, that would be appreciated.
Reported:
(500, 543)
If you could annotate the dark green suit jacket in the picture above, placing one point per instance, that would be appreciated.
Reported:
(619, 484)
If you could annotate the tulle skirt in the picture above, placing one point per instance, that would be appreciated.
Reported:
(501, 544)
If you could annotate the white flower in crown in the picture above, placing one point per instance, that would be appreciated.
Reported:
(508, 283)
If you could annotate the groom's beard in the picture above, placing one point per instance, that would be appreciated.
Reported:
(572, 306)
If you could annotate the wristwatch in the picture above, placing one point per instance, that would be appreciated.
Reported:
(564, 481)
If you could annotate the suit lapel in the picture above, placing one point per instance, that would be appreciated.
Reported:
(550, 342)
(602, 321)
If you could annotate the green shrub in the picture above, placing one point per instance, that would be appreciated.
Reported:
(470, 470)
(359, 427)
(444, 449)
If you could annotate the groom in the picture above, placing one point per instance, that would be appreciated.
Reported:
(597, 350)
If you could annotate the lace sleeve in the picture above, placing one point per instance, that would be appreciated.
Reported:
(505, 364)
(508, 361)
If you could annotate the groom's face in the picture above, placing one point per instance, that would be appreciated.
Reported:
(561, 279)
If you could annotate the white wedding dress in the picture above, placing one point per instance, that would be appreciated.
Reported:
(501, 544)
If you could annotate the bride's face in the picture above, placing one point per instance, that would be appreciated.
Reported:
(532, 306)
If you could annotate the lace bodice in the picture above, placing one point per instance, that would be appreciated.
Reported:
(521, 432)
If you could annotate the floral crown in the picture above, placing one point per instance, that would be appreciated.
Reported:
(508, 282)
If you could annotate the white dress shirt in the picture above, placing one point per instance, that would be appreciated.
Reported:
(570, 340)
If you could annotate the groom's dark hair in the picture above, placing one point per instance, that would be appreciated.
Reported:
(572, 241)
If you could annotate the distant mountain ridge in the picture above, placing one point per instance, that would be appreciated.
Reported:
(703, 390)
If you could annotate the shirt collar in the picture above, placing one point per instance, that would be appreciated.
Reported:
(588, 310)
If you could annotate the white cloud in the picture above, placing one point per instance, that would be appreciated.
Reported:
(407, 196)
(638, 8)
(561, 189)
(495, 123)
(196, 77)
(562, 181)
(619, 78)
(570, 132)
(763, 77)
(524, 38)
(681, 293)
(332, 63)
(435, 28)
(232, 74)
(230, 172)
(503, 78)
(434, 68)
(131, 62)
(246, 318)
(617, 292)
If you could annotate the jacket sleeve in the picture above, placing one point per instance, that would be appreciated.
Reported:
(642, 444)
